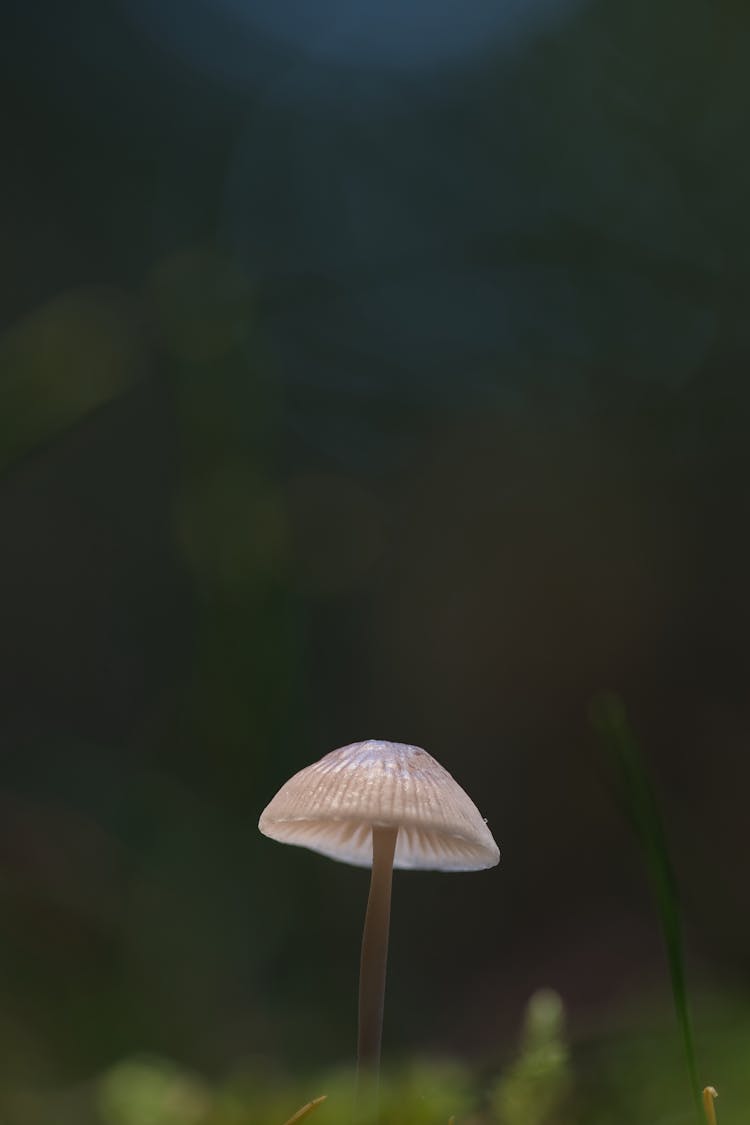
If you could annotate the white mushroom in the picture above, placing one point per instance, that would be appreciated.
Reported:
(380, 805)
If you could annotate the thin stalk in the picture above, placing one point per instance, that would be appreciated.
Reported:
(709, 1096)
(609, 718)
(306, 1109)
(374, 957)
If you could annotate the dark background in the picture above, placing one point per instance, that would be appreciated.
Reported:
(365, 371)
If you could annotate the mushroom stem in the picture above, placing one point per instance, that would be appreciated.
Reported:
(375, 953)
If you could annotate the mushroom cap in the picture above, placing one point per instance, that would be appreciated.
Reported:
(332, 806)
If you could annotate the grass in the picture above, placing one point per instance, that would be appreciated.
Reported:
(641, 806)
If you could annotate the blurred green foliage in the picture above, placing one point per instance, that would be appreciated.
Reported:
(631, 1077)
(533, 1089)
(72, 355)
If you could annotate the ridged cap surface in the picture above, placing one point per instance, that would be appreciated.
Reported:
(332, 805)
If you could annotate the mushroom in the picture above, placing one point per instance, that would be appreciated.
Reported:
(380, 805)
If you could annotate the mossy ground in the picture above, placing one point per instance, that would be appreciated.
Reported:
(634, 1075)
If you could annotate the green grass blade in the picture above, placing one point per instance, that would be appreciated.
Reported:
(610, 721)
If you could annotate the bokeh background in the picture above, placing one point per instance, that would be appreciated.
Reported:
(368, 370)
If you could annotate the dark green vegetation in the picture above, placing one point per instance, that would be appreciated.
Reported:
(628, 1080)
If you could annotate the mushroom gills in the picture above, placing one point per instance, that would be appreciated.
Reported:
(350, 841)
